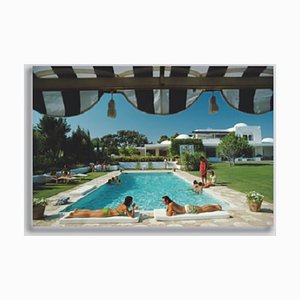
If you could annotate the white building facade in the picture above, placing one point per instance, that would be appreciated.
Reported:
(211, 138)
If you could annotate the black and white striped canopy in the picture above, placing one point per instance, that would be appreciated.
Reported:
(72, 90)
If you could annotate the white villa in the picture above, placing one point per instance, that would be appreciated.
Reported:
(263, 148)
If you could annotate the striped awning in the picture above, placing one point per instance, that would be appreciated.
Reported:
(72, 90)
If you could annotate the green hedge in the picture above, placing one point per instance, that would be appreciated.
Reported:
(138, 158)
(175, 143)
(191, 162)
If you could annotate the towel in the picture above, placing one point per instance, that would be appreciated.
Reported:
(62, 201)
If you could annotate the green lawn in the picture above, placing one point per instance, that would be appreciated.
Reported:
(50, 189)
(245, 177)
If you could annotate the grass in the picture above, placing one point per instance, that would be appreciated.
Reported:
(245, 177)
(50, 189)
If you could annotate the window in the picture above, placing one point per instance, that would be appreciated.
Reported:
(250, 138)
(245, 136)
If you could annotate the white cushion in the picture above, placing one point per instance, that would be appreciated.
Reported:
(118, 219)
(160, 215)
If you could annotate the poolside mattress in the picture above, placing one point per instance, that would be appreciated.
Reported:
(160, 215)
(119, 219)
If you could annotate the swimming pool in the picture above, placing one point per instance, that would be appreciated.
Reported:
(147, 189)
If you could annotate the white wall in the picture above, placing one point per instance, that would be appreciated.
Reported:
(268, 151)
(258, 151)
(144, 165)
(247, 130)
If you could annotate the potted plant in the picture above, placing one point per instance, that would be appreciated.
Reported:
(254, 200)
(39, 205)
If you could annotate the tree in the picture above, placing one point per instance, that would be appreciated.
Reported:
(97, 149)
(233, 146)
(96, 144)
(128, 151)
(81, 148)
(175, 135)
(109, 145)
(131, 138)
(163, 138)
(40, 159)
(39, 142)
(54, 131)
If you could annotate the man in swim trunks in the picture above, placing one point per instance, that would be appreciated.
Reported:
(172, 208)
(121, 210)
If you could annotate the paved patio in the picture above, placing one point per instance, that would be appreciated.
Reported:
(242, 219)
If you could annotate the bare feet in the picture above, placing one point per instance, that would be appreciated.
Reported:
(72, 213)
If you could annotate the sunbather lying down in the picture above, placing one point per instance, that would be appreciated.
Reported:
(174, 208)
(121, 210)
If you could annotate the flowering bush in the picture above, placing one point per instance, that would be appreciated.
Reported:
(39, 202)
(254, 196)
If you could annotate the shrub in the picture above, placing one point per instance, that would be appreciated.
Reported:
(40, 202)
(191, 162)
(254, 196)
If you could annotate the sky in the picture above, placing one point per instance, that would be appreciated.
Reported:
(153, 126)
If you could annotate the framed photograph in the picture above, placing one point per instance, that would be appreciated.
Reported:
(156, 148)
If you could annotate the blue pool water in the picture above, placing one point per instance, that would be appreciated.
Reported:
(147, 189)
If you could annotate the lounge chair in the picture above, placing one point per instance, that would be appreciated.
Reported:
(118, 219)
(66, 179)
(80, 176)
(160, 215)
(51, 177)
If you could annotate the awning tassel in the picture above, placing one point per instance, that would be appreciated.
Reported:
(111, 112)
(213, 106)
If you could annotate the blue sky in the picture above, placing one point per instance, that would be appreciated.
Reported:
(153, 126)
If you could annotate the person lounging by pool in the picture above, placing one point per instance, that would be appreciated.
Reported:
(212, 180)
(172, 208)
(122, 210)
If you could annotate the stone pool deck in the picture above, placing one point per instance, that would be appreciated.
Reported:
(241, 218)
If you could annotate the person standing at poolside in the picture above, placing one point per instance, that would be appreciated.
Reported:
(172, 208)
(203, 169)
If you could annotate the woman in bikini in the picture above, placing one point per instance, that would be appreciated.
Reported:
(121, 210)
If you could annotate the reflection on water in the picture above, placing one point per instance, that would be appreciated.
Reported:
(147, 189)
